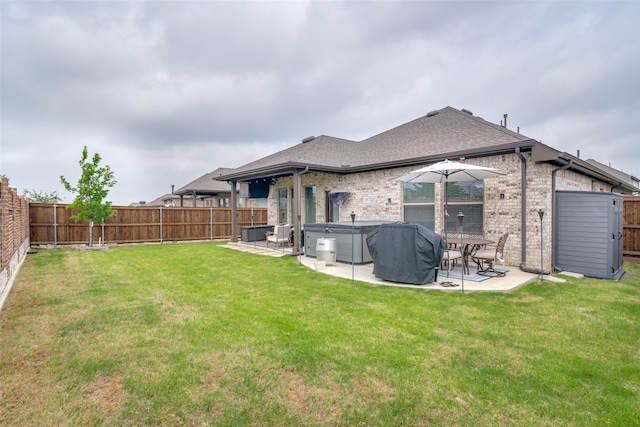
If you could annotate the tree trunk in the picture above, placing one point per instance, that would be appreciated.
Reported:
(90, 234)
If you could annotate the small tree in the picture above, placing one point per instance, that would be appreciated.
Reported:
(42, 197)
(90, 192)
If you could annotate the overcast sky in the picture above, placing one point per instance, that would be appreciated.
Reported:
(166, 91)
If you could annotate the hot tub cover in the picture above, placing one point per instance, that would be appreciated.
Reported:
(406, 253)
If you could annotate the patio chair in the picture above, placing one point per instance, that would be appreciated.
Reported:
(490, 256)
(280, 235)
(450, 256)
(451, 238)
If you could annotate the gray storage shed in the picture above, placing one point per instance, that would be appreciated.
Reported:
(588, 230)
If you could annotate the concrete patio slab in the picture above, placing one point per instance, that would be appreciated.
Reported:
(364, 272)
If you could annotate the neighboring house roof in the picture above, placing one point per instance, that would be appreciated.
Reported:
(161, 201)
(441, 134)
(206, 184)
(630, 179)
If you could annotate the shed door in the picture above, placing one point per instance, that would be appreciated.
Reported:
(589, 233)
(618, 259)
(582, 237)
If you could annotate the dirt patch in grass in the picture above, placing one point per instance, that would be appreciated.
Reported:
(106, 393)
(178, 314)
(22, 383)
(373, 389)
(585, 311)
(321, 403)
(213, 379)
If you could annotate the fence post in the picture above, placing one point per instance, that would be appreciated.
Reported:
(210, 223)
(55, 226)
(160, 224)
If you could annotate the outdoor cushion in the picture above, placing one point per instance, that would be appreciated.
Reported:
(280, 235)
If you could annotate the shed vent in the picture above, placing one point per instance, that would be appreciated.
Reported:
(464, 110)
(433, 113)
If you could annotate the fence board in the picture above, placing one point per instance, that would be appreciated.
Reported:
(52, 224)
(631, 226)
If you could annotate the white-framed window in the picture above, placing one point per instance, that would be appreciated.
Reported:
(333, 210)
(282, 205)
(310, 205)
(466, 197)
(418, 200)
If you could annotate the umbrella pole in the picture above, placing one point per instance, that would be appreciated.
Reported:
(460, 220)
(444, 221)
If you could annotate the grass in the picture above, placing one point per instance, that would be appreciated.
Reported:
(196, 334)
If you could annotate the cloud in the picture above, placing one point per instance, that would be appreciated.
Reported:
(168, 91)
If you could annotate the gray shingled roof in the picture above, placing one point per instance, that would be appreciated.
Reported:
(206, 184)
(448, 131)
(615, 172)
(322, 151)
(439, 133)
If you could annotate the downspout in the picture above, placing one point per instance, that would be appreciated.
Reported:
(553, 210)
(523, 265)
(523, 210)
(234, 212)
(615, 186)
(298, 208)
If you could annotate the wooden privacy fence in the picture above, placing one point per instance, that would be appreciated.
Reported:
(631, 226)
(14, 235)
(52, 224)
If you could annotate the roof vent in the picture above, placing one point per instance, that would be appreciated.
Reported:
(433, 113)
(464, 110)
(308, 139)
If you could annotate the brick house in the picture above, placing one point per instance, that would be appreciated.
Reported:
(301, 182)
(204, 191)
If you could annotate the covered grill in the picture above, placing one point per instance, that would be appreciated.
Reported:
(406, 253)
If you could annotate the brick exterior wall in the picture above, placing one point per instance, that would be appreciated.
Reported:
(14, 235)
(377, 195)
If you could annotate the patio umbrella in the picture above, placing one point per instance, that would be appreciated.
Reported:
(448, 171)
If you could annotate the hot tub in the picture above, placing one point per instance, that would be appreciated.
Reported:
(341, 232)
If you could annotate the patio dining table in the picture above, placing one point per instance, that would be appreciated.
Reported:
(469, 244)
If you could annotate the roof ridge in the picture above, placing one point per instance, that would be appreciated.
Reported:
(496, 126)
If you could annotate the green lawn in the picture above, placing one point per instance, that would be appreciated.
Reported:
(197, 334)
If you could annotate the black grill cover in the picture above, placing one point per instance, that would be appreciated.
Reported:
(406, 253)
